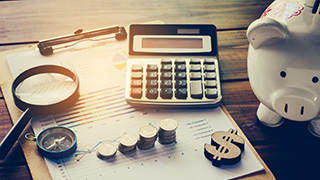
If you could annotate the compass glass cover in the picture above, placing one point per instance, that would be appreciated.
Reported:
(56, 139)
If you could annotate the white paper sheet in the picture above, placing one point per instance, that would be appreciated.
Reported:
(102, 115)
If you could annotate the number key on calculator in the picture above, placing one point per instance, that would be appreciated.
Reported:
(177, 82)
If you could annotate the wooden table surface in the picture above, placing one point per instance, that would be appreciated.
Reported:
(290, 151)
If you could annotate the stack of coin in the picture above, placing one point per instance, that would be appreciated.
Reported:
(127, 143)
(106, 151)
(147, 137)
(167, 131)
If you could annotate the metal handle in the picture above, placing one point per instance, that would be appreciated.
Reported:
(14, 133)
(29, 135)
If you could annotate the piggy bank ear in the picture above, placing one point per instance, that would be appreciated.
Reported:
(266, 31)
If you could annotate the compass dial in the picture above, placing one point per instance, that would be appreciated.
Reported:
(56, 142)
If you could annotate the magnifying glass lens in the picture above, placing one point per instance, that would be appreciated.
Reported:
(45, 88)
(38, 91)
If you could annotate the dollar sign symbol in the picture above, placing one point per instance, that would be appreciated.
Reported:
(225, 148)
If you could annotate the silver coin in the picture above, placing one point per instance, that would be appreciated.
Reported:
(128, 140)
(167, 141)
(146, 145)
(162, 133)
(167, 131)
(148, 131)
(127, 143)
(147, 137)
(126, 150)
(167, 137)
(168, 124)
(106, 151)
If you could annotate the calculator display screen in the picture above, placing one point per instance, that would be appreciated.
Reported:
(172, 43)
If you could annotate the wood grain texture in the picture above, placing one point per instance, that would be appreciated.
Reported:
(14, 172)
(32, 20)
(233, 48)
(5, 121)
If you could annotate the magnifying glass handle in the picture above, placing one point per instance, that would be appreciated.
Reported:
(14, 133)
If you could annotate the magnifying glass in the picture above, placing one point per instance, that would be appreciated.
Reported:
(41, 90)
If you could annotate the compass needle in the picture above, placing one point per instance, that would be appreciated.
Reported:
(51, 146)
(57, 142)
(60, 140)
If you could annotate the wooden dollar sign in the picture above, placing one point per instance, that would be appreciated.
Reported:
(225, 148)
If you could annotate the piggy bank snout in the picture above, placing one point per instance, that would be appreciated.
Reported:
(295, 104)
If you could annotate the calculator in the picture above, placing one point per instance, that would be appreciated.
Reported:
(173, 66)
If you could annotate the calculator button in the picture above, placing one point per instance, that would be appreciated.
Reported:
(136, 67)
(209, 68)
(181, 75)
(165, 61)
(136, 92)
(166, 93)
(152, 83)
(136, 75)
(180, 67)
(195, 75)
(210, 75)
(152, 67)
(166, 75)
(210, 83)
(136, 83)
(181, 93)
(166, 84)
(180, 61)
(196, 89)
(152, 75)
(211, 93)
(195, 67)
(208, 61)
(181, 83)
(195, 61)
(166, 68)
(152, 93)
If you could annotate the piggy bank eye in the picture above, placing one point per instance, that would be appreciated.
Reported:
(283, 74)
(315, 79)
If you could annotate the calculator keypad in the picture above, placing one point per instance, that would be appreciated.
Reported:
(174, 80)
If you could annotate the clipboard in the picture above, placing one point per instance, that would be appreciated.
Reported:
(36, 162)
(46, 47)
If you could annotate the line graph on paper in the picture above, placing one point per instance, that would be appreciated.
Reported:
(103, 116)
(85, 157)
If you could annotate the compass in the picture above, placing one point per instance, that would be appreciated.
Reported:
(56, 142)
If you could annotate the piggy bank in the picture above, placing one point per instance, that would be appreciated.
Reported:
(284, 63)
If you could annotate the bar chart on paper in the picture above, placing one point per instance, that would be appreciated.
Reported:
(103, 116)
(96, 106)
